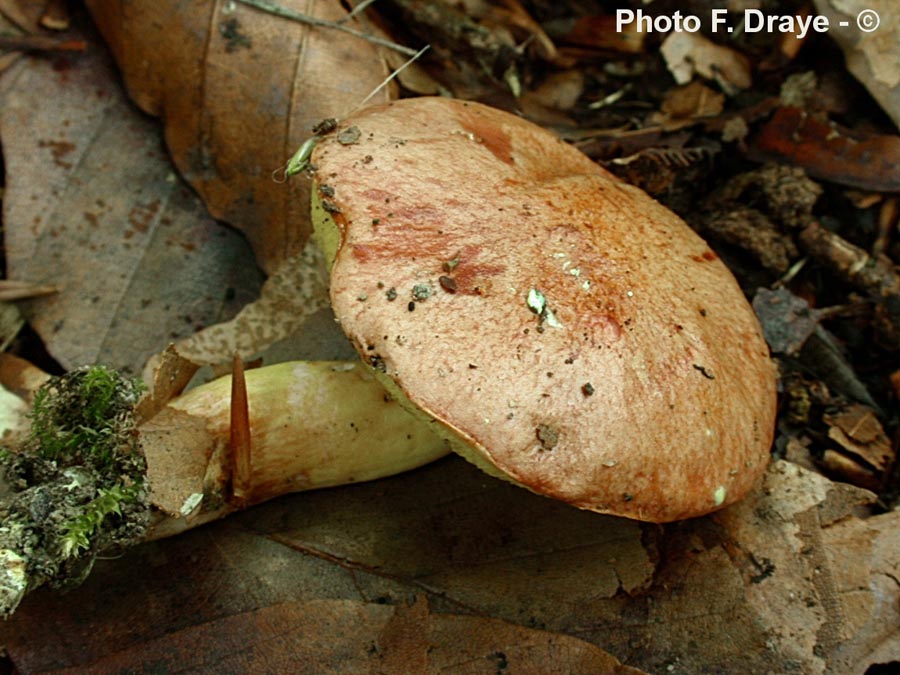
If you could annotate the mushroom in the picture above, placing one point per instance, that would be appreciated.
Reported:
(246, 438)
(559, 327)
(553, 325)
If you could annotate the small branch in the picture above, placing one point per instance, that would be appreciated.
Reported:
(20, 290)
(888, 219)
(286, 13)
(361, 7)
(40, 43)
(875, 275)
(390, 77)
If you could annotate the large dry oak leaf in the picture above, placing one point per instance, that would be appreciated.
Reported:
(93, 207)
(239, 90)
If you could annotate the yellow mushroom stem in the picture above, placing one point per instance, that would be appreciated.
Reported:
(291, 427)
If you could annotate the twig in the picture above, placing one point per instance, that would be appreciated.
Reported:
(299, 161)
(40, 43)
(20, 290)
(286, 13)
(875, 275)
(390, 77)
(888, 218)
(361, 7)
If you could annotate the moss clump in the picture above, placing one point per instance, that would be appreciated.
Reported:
(75, 487)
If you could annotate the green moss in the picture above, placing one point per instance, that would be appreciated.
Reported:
(83, 418)
(78, 531)
(76, 486)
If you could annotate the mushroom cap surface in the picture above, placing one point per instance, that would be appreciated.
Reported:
(569, 332)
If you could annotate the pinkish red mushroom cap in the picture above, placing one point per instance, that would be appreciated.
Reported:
(576, 336)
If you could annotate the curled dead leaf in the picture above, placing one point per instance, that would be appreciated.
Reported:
(827, 151)
(862, 452)
(694, 100)
(687, 54)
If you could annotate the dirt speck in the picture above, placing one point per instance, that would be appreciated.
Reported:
(547, 436)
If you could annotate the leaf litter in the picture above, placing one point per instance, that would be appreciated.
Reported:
(803, 567)
(99, 214)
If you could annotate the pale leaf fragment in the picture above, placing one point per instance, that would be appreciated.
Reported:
(864, 556)
(294, 292)
(13, 413)
(779, 540)
(166, 375)
(687, 54)
(871, 52)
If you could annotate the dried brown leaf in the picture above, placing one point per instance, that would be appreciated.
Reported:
(239, 90)
(862, 453)
(11, 323)
(92, 206)
(20, 376)
(825, 150)
(510, 16)
(778, 583)
(787, 320)
(560, 90)
(472, 544)
(24, 15)
(857, 429)
(597, 33)
(415, 640)
(166, 374)
(692, 101)
(864, 556)
(347, 636)
(776, 544)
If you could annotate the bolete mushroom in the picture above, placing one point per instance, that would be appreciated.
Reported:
(553, 325)
(561, 328)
